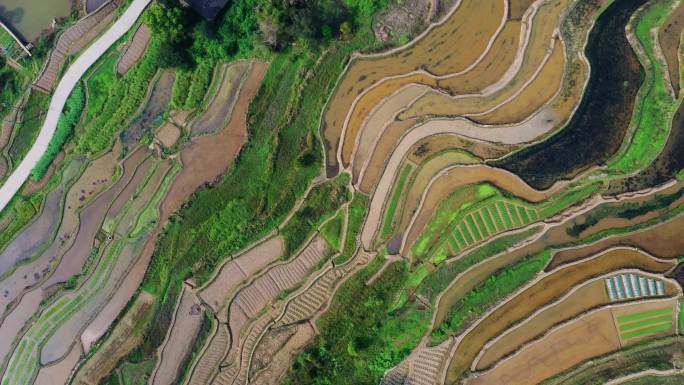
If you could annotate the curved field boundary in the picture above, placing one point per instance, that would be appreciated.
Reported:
(601, 348)
(381, 193)
(645, 373)
(465, 351)
(66, 85)
(486, 360)
(541, 34)
(449, 179)
(330, 123)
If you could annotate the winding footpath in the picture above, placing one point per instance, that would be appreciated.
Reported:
(86, 59)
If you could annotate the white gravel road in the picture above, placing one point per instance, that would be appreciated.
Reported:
(66, 84)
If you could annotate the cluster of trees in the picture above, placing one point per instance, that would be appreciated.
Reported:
(249, 24)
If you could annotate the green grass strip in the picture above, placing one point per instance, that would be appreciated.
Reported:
(480, 224)
(504, 213)
(647, 322)
(464, 230)
(488, 220)
(643, 315)
(396, 196)
(473, 228)
(497, 217)
(650, 330)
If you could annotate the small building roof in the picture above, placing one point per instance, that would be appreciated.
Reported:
(208, 9)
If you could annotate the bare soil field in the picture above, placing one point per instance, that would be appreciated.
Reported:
(96, 177)
(669, 37)
(168, 134)
(179, 340)
(219, 109)
(59, 373)
(537, 93)
(358, 139)
(134, 50)
(238, 269)
(208, 157)
(518, 8)
(251, 299)
(589, 336)
(544, 291)
(124, 337)
(585, 297)
(498, 60)
(474, 22)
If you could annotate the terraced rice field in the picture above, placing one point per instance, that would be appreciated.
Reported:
(508, 202)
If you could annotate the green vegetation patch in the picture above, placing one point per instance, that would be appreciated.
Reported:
(656, 107)
(357, 210)
(397, 193)
(646, 322)
(332, 230)
(319, 205)
(493, 290)
(643, 315)
(26, 130)
(64, 131)
(360, 337)
(647, 330)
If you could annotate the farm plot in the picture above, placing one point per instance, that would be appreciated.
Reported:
(249, 301)
(551, 355)
(152, 115)
(60, 372)
(661, 239)
(583, 298)
(416, 184)
(208, 157)
(135, 49)
(669, 37)
(521, 213)
(658, 353)
(536, 53)
(360, 139)
(650, 319)
(219, 109)
(124, 337)
(38, 234)
(473, 21)
(588, 336)
(238, 269)
(544, 291)
(91, 219)
(184, 329)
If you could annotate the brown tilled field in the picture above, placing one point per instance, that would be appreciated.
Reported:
(589, 336)
(586, 297)
(537, 49)
(535, 95)
(360, 142)
(474, 22)
(544, 291)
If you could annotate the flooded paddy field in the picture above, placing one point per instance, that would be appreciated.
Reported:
(598, 127)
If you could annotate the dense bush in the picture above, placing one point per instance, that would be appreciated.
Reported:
(64, 131)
